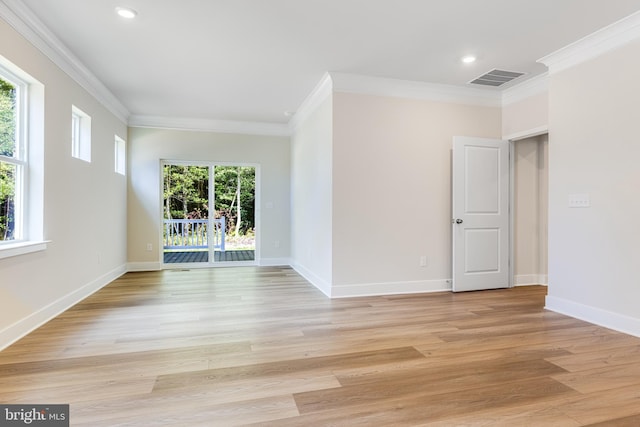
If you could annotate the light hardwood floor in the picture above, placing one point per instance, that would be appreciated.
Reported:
(236, 346)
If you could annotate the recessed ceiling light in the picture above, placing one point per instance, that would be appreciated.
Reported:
(468, 59)
(125, 12)
(289, 113)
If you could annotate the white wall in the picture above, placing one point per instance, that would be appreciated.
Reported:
(84, 204)
(593, 148)
(147, 147)
(525, 115)
(392, 190)
(543, 206)
(312, 198)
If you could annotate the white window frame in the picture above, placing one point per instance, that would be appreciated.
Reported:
(80, 134)
(29, 149)
(120, 155)
(20, 156)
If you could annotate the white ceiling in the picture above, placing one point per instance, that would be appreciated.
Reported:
(252, 60)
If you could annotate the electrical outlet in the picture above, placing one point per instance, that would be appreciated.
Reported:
(276, 243)
(423, 261)
(149, 247)
(579, 200)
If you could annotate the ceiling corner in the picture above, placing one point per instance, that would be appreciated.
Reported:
(595, 44)
(24, 21)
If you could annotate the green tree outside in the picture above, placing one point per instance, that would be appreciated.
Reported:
(186, 195)
(235, 187)
(186, 192)
(7, 148)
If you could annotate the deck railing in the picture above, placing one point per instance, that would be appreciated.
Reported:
(193, 233)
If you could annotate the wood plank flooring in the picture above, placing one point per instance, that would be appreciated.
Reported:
(261, 346)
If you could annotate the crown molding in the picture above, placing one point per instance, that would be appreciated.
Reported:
(24, 21)
(604, 40)
(209, 125)
(534, 86)
(367, 85)
(322, 90)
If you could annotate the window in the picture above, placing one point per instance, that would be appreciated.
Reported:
(21, 162)
(80, 134)
(120, 156)
(13, 156)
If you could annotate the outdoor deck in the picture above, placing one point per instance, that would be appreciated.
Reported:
(203, 256)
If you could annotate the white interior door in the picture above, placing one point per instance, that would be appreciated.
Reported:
(481, 243)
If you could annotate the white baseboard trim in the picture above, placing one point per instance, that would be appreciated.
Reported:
(530, 279)
(144, 266)
(24, 326)
(608, 319)
(274, 262)
(321, 284)
(390, 288)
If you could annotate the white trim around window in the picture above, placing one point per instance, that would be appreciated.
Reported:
(26, 159)
(80, 134)
(120, 155)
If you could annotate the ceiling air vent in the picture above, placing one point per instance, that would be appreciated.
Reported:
(496, 78)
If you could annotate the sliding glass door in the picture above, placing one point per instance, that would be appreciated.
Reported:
(196, 231)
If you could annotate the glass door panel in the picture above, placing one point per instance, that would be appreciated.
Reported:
(235, 200)
(186, 228)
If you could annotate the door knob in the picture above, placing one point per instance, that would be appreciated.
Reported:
(459, 221)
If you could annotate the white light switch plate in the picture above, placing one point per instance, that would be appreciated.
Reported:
(579, 200)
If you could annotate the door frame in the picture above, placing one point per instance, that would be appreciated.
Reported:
(257, 215)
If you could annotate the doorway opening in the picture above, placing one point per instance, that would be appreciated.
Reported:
(530, 210)
(208, 214)
(499, 228)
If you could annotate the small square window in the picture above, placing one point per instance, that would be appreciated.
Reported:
(120, 155)
(80, 134)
